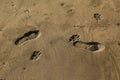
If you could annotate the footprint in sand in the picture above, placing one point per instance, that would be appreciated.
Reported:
(95, 47)
(91, 46)
(27, 36)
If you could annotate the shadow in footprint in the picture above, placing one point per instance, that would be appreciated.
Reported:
(95, 46)
(92, 43)
(27, 36)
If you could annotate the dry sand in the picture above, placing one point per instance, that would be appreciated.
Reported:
(59, 39)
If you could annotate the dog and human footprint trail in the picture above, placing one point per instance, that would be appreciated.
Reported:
(60, 40)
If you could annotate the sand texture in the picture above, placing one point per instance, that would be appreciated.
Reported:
(59, 39)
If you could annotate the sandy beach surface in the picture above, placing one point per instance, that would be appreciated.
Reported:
(59, 39)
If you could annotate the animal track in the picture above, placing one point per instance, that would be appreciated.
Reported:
(62, 4)
(35, 55)
(74, 37)
(70, 11)
(97, 16)
(27, 36)
(69, 8)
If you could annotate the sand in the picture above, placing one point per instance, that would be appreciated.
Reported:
(60, 40)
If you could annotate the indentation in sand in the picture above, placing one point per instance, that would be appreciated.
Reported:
(33, 34)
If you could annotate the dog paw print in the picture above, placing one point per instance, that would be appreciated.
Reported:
(35, 55)
(97, 16)
(74, 37)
